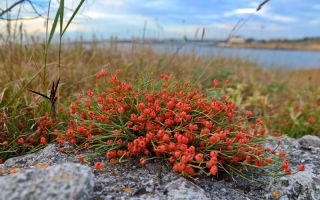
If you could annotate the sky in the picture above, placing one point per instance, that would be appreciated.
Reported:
(183, 18)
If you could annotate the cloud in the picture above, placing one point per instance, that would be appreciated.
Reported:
(160, 4)
(241, 11)
(262, 13)
(30, 26)
(37, 26)
(223, 26)
(183, 17)
(117, 16)
(315, 22)
(278, 18)
(114, 3)
(182, 30)
(209, 16)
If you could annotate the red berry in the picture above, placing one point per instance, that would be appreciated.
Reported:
(301, 167)
(143, 161)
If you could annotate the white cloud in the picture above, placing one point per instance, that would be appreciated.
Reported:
(37, 26)
(160, 4)
(256, 26)
(117, 16)
(114, 3)
(315, 22)
(30, 26)
(240, 11)
(278, 18)
(262, 13)
(182, 30)
(223, 26)
(209, 16)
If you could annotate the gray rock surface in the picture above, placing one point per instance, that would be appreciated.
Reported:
(302, 185)
(183, 189)
(63, 181)
(49, 155)
(309, 142)
(156, 180)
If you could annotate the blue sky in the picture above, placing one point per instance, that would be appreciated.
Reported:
(179, 18)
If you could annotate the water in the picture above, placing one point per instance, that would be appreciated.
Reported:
(263, 57)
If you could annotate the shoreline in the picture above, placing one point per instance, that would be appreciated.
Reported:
(268, 47)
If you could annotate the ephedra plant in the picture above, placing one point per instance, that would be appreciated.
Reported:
(199, 131)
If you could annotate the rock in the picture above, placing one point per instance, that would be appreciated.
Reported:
(309, 142)
(301, 185)
(64, 181)
(156, 180)
(49, 155)
(230, 190)
(183, 189)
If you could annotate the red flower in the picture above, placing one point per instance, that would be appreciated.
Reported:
(98, 166)
(301, 167)
(285, 164)
(215, 83)
(101, 74)
(189, 170)
(62, 149)
(311, 120)
(249, 113)
(43, 140)
(111, 154)
(21, 141)
(118, 71)
(214, 170)
(282, 154)
(199, 157)
(143, 161)
(81, 158)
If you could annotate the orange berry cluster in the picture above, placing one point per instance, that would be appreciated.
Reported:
(198, 131)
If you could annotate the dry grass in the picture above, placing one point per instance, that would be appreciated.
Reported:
(271, 93)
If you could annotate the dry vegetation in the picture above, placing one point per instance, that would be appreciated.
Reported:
(288, 100)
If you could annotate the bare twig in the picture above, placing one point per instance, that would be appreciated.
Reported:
(33, 7)
(3, 12)
(262, 4)
(243, 21)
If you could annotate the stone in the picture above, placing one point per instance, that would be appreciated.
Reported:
(309, 142)
(157, 181)
(129, 180)
(183, 189)
(62, 181)
(298, 186)
(301, 185)
(49, 154)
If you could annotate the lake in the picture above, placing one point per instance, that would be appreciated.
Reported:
(264, 57)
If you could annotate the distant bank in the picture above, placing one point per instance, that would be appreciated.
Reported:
(306, 44)
(274, 46)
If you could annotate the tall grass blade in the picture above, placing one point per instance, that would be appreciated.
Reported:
(53, 28)
(61, 11)
(73, 15)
